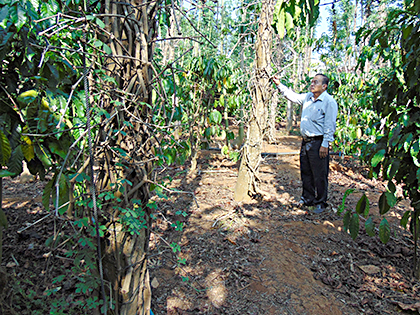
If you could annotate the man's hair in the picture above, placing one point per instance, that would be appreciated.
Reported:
(325, 79)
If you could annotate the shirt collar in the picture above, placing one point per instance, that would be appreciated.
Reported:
(321, 97)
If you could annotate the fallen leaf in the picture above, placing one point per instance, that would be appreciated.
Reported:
(155, 283)
(11, 265)
(370, 269)
(329, 223)
(231, 240)
(411, 307)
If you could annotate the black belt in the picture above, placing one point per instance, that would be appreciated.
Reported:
(309, 139)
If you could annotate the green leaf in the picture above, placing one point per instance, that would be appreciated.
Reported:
(384, 231)
(225, 150)
(26, 98)
(213, 130)
(22, 18)
(391, 199)
(407, 142)
(15, 163)
(97, 44)
(370, 227)
(5, 149)
(298, 10)
(346, 220)
(4, 13)
(278, 7)
(394, 168)
(107, 49)
(103, 112)
(6, 173)
(394, 136)
(13, 14)
(383, 204)
(404, 219)
(56, 148)
(288, 21)
(100, 23)
(215, 117)
(343, 202)
(405, 119)
(414, 149)
(378, 157)
(391, 187)
(362, 206)
(28, 149)
(46, 195)
(354, 225)
(170, 155)
(416, 161)
(280, 23)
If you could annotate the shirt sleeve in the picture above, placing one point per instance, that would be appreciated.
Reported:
(291, 95)
(331, 110)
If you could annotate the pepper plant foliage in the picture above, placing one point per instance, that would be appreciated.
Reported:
(37, 125)
(287, 14)
(32, 81)
(198, 95)
(395, 151)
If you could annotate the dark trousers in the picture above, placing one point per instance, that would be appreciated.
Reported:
(314, 173)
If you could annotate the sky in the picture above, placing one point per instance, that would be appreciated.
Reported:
(323, 14)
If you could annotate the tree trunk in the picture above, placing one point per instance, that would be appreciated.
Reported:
(125, 152)
(246, 185)
(271, 131)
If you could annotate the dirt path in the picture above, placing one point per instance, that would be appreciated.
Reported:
(267, 257)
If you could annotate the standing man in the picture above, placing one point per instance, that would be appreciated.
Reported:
(317, 127)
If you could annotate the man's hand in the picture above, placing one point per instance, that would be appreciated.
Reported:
(276, 80)
(323, 152)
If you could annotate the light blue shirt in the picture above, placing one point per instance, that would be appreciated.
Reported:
(318, 116)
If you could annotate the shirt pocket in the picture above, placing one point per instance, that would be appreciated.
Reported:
(317, 113)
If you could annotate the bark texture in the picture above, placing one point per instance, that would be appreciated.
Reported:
(271, 130)
(247, 184)
(124, 152)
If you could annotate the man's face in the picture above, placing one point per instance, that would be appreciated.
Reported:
(316, 85)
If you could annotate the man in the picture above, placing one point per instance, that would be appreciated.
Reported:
(317, 127)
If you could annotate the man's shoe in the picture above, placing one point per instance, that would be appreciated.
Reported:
(319, 209)
(302, 203)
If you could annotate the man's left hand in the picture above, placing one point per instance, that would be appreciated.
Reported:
(323, 152)
(276, 80)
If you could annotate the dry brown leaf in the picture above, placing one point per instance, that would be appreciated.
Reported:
(412, 307)
(231, 240)
(370, 269)
(155, 283)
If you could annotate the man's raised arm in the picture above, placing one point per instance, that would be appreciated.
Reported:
(288, 93)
